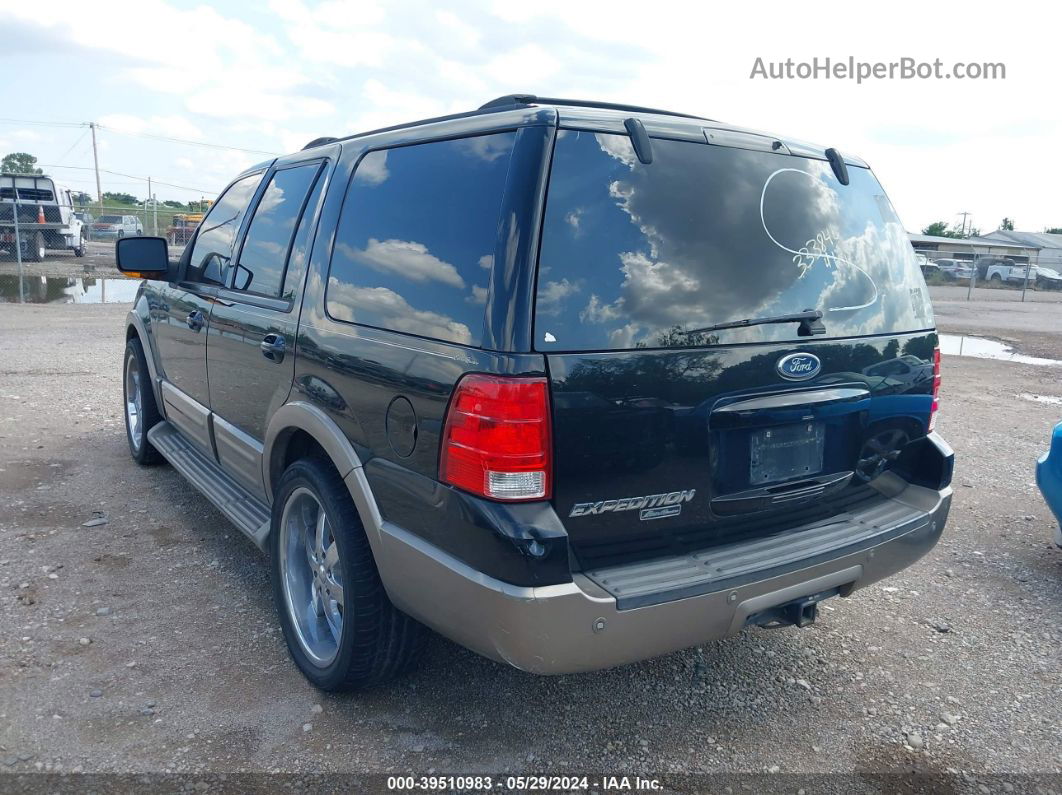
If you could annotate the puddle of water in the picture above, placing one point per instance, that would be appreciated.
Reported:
(958, 345)
(1054, 401)
(68, 290)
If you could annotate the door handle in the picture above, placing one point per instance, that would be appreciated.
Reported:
(195, 320)
(273, 347)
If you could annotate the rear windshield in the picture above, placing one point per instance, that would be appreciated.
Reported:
(110, 219)
(636, 256)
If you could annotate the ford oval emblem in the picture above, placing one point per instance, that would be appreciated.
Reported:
(799, 366)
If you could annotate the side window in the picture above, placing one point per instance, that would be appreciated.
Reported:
(300, 247)
(212, 251)
(415, 242)
(260, 268)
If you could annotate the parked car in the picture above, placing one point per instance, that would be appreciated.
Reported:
(567, 432)
(929, 269)
(955, 269)
(1003, 270)
(1047, 278)
(117, 226)
(908, 370)
(1049, 478)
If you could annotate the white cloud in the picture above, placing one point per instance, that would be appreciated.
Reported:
(529, 64)
(457, 31)
(372, 170)
(405, 258)
(388, 309)
(335, 67)
(552, 294)
(598, 312)
(176, 126)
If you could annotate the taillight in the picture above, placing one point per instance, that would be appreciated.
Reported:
(936, 389)
(496, 440)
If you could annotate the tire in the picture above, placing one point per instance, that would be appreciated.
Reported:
(359, 639)
(142, 416)
(121, 233)
(79, 249)
(36, 250)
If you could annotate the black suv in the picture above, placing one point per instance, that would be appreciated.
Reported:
(571, 383)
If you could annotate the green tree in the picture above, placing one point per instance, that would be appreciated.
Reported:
(1053, 230)
(1007, 225)
(941, 229)
(123, 198)
(20, 163)
(171, 203)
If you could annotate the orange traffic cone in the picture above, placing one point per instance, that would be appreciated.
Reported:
(40, 213)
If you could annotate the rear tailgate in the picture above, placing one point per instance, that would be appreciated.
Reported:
(661, 452)
(669, 437)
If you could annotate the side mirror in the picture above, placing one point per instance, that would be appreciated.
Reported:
(243, 278)
(144, 258)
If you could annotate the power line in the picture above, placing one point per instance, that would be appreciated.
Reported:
(130, 176)
(187, 141)
(44, 123)
(80, 138)
(168, 138)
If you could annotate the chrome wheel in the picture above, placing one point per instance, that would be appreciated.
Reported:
(133, 402)
(311, 576)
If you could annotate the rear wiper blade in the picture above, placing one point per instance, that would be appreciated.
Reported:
(810, 321)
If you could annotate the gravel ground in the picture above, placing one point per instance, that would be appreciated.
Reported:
(137, 631)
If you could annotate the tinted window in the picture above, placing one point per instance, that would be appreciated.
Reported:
(265, 248)
(212, 252)
(300, 248)
(416, 238)
(110, 219)
(635, 255)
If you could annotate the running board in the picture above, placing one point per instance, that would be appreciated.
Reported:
(240, 507)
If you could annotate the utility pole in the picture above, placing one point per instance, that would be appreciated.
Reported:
(964, 216)
(154, 211)
(96, 162)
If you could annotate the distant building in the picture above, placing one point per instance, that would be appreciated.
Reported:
(1050, 246)
(970, 248)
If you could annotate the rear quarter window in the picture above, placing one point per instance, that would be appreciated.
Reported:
(415, 241)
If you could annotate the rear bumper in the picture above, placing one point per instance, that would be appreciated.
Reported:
(581, 626)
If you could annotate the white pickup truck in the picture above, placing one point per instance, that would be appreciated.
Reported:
(1004, 270)
(46, 217)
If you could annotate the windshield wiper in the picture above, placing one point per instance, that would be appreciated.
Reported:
(810, 321)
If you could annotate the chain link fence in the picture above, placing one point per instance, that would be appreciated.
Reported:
(1019, 275)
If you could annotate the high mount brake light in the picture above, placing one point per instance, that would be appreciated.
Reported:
(497, 441)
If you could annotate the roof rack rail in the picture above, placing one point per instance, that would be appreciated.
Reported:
(531, 99)
(319, 142)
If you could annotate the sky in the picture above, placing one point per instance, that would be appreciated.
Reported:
(247, 80)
